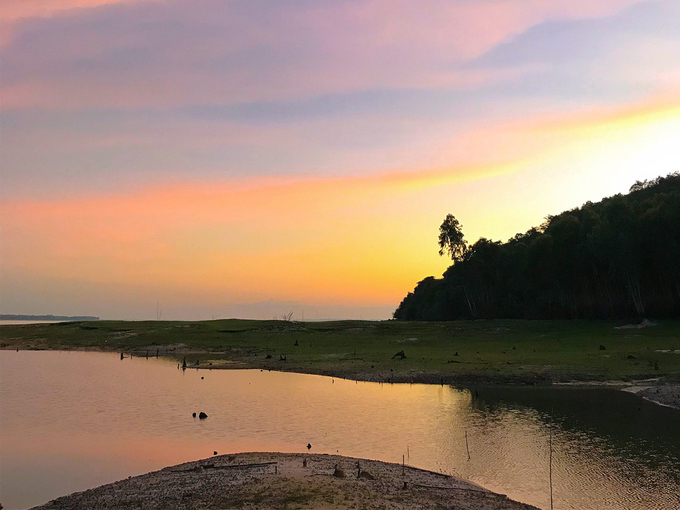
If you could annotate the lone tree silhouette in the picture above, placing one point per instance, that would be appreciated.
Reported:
(451, 238)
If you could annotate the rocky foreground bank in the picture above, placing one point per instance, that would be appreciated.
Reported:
(664, 394)
(278, 480)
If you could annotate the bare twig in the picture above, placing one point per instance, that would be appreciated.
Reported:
(466, 445)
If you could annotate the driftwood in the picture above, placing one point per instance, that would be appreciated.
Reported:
(400, 354)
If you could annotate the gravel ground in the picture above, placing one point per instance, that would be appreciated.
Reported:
(665, 394)
(292, 481)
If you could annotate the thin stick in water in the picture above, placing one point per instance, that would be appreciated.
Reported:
(466, 445)
(550, 468)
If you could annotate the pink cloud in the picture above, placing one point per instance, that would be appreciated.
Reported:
(169, 53)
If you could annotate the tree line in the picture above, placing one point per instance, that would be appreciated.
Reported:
(617, 258)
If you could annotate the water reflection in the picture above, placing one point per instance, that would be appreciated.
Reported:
(70, 421)
(612, 450)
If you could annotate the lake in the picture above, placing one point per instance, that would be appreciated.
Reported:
(74, 420)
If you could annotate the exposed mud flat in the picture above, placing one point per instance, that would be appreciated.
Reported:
(277, 480)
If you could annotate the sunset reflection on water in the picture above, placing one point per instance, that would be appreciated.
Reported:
(73, 420)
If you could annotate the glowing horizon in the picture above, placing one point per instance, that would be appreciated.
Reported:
(327, 192)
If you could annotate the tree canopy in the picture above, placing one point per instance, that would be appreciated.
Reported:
(613, 259)
(451, 238)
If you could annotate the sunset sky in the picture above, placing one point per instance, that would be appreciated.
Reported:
(248, 158)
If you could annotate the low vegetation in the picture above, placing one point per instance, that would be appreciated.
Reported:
(461, 351)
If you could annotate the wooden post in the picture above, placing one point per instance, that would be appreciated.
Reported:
(403, 467)
(550, 475)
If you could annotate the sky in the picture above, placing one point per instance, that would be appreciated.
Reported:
(192, 159)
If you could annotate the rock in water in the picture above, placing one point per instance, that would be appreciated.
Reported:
(193, 414)
(309, 446)
(202, 416)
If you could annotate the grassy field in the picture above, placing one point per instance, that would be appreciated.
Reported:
(469, 351)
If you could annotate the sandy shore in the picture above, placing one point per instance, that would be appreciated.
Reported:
(278, 480)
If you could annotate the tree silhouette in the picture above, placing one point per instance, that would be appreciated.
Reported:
(451, 238)
(618, 258)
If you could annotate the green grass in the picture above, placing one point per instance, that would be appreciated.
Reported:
(500, 351)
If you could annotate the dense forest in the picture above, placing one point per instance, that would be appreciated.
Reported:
(618, 258)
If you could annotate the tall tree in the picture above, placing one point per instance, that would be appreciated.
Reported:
(451, 238)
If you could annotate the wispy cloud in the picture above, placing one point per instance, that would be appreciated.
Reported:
(212, 51)
(360, 239)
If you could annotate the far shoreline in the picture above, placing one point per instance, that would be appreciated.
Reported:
(644, 360)
(660, 391)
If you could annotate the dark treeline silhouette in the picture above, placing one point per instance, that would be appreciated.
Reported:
(618, 258)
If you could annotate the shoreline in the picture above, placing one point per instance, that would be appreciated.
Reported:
(283, 480)
(666, 395)
(662, 391)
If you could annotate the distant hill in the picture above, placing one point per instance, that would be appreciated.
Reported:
(10, 317)
(617, 258)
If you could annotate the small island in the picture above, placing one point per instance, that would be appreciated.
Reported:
(288, 480)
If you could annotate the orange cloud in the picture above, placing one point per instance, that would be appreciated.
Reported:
(13, 10)
(325, 238)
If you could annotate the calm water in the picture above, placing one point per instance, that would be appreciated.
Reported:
(71, 421)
